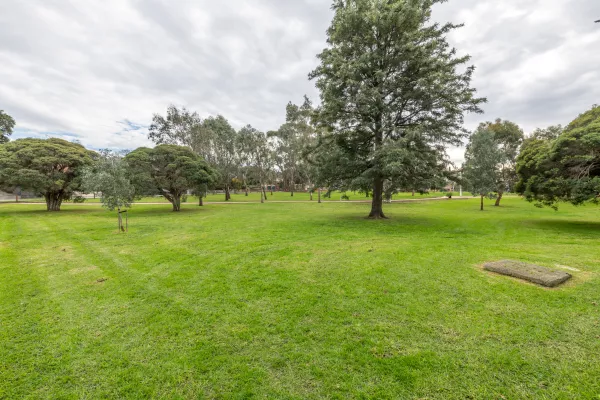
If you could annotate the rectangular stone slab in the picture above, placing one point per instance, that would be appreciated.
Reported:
(529, 272)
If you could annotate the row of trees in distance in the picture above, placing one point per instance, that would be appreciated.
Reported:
(552, 165)
(393, 96)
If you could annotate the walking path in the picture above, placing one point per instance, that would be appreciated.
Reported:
(266, 202)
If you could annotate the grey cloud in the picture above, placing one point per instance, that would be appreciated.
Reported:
(86, 67)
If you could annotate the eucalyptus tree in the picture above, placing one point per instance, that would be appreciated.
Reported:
(223, 152)
(181, 127)
(508, 137)
(389, 81)
(481, 163)
(255, 148)
(49, 167)
(291, 140)
(213, 138)
(7, 123)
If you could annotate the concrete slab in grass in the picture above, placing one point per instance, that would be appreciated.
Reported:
(529, 272)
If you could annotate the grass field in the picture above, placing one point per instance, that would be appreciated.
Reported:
(297, 301)
(276, 196)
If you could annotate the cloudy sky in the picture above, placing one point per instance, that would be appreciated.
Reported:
(97, 71)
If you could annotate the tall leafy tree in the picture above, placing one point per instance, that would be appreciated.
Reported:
(49, 167)
(169, 170)
(180, 127)
(222, 152)
(565, 168)
(508, 137)
(481, 163)
(212, 138)
(292, 139)
(389, 80)
(7, 123)
(256, 154)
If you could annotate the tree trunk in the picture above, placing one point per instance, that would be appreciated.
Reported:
(319, 195)
(246, 185)
(262, 193)
(264, 189)
(53, 201)
(377, 203)
(413, 193)
(227, 193)
(481, 202)
(499, 199)
(176, 202)
(201, 201)
(311, 197)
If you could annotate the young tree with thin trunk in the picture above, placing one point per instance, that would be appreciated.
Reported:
(49, 167)
(481, 163)
(389, 78)
(109, 176)
(168, 170)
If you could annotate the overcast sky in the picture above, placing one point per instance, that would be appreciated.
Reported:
(96, 71)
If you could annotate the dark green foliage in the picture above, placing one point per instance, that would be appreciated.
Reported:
(7, 123)
(508, 138)
(213, 138)
(49, 167)
(565, 169)
(481, 163)
(393, 94)
(168, 170)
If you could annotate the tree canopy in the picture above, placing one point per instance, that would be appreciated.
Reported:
(481, 163)
(565, 168)
(49, 167)
(392, 89)
(168, 170)
(508, 138)
(7, 123)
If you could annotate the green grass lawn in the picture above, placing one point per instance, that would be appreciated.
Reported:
(297, 301)
(276, 196)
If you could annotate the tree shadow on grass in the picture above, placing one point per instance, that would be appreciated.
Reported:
(43, 211)
(396, 224)
(572, 226)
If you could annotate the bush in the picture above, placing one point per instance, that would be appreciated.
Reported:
(449, 195)
(78, 199)
(184, 198)
(345, 197)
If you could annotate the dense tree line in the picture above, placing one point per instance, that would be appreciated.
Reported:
(393, 95)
